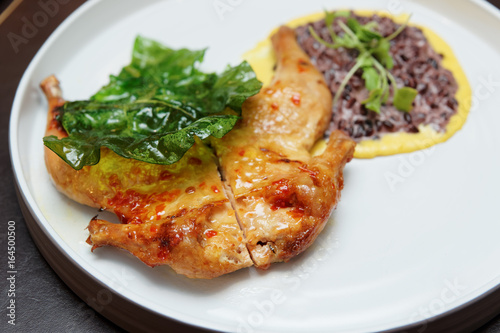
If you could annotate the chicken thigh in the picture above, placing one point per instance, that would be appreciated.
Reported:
(282, 195)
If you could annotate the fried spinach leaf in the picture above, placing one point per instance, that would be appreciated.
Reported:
(154, 108)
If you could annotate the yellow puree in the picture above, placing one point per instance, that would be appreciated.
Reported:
(261, 58)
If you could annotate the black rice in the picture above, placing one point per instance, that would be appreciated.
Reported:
(416, 65)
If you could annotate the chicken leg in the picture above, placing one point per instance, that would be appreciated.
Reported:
(282, 195)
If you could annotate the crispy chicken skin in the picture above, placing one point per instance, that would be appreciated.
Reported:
(275, 198)
(282, 195)
(176, 215)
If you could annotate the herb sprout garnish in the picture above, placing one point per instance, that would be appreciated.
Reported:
(374, 59)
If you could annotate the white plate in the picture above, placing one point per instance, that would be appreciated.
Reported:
(391, 256)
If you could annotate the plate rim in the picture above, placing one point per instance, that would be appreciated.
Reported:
(32, 214)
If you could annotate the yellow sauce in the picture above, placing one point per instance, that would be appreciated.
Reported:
(261, 58)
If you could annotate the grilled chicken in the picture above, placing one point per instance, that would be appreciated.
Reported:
(176, 215)
(282, 195)
(185, 216)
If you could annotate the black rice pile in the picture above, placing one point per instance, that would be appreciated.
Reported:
(416, 65)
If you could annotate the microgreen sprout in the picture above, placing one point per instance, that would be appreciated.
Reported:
(374, 59)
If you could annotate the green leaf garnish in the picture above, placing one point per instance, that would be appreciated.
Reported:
(153, 110)
(374, 101)
(374, 60)
(371, 77)
(403, 98)
(82, 149)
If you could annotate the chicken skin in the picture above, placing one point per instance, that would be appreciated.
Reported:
(274, 197)
(176, 214)
(282, 195)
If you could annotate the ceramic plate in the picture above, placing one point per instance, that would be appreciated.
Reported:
(392, 254)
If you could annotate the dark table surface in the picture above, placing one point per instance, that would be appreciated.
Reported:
(43, 302)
